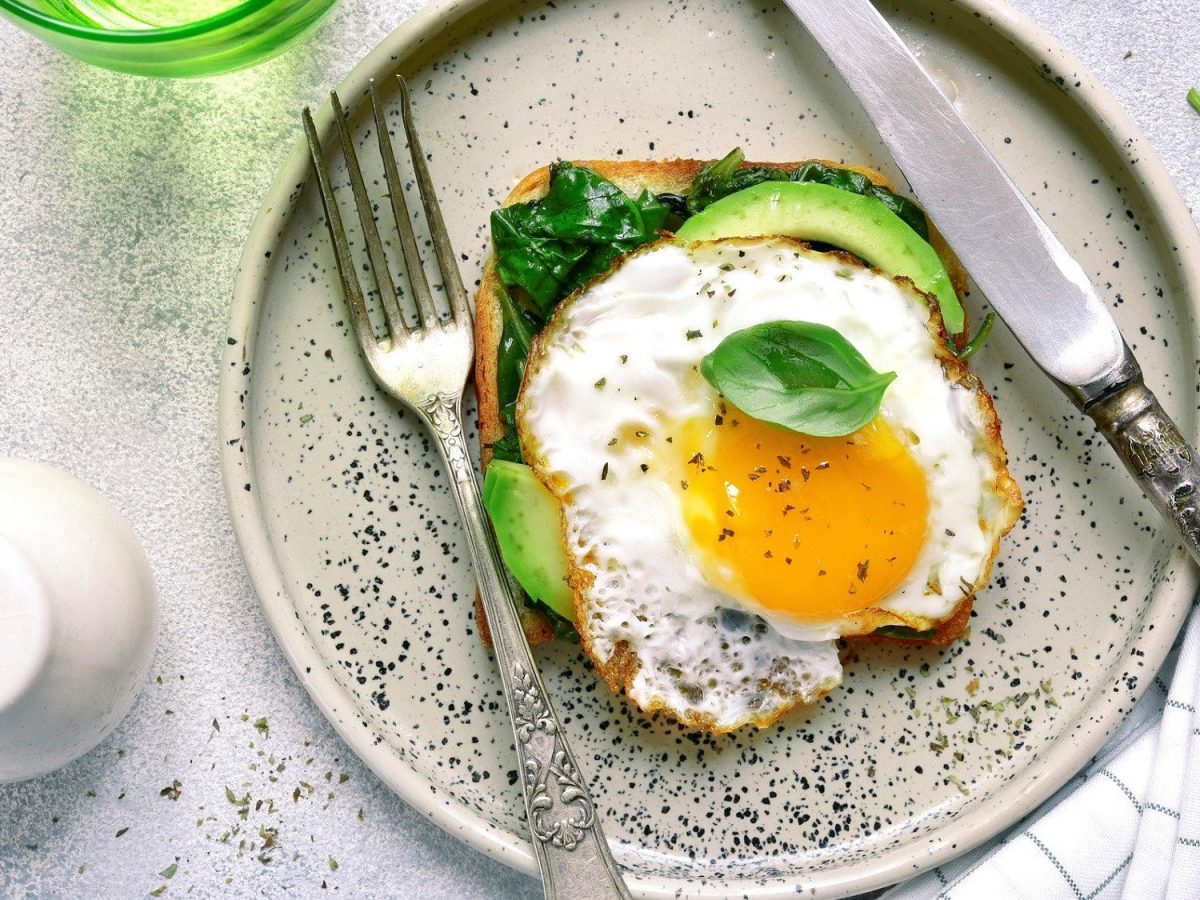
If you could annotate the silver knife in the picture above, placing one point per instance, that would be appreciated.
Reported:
(1028, 276)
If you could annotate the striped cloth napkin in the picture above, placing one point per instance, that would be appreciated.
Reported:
(1126, 827)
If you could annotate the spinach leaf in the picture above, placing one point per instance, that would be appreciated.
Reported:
(842, 179)
(586, 207)
(801, 375)
(903, 632)
(552, 246)
(515, 339)
(564, 629)
(912, 215)
(726, 177)
(595, 263)
(980, 336)
(528, 259)
(508, 448)
(676, 205)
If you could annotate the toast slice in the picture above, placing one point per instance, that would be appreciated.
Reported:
(632, 176)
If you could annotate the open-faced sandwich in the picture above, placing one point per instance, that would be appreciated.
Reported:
(726, 420)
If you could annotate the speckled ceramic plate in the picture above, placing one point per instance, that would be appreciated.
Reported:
(354, 549)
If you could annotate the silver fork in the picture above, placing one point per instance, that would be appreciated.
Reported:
(425, 366)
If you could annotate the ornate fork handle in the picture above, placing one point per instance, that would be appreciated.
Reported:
(570, 847)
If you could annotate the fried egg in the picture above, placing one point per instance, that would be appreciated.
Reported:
(714, 557)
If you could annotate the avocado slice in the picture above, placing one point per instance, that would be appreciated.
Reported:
(856, 223)
(528, 526)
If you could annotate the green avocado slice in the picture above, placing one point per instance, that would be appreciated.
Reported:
(528, 526)
(856, 223)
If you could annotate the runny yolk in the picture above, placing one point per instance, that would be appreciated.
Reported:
(813, 528)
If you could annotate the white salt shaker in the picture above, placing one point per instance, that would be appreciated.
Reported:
(78, 618)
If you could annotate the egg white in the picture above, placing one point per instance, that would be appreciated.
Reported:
(622, 358)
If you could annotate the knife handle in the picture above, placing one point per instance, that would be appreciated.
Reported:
(1150, 445)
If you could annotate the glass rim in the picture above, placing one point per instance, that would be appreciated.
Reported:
(140, 35)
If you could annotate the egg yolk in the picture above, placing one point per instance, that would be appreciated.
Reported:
(812, 528)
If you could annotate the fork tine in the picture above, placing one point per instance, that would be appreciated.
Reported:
(379, 263)
(351, 289)
(408, 239)
(433, 214)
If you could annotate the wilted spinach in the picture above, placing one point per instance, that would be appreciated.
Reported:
(970, 348)
(903, 632)
(508, 448)
(564, 629)
(548, 248)
(515, 339)
(725, 177)
(552, 246)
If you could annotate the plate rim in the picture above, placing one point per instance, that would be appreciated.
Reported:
(1170, 600)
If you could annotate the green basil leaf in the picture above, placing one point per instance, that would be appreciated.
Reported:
(801, 375)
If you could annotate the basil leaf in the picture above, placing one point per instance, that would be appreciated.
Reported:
(801, 375)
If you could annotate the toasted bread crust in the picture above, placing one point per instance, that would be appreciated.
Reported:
(632, 176)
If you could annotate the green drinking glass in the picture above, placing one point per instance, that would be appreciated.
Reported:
(169, 38)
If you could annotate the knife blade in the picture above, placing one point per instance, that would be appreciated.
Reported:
(1028, 276)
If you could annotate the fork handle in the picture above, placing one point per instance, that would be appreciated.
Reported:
(570, 847)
